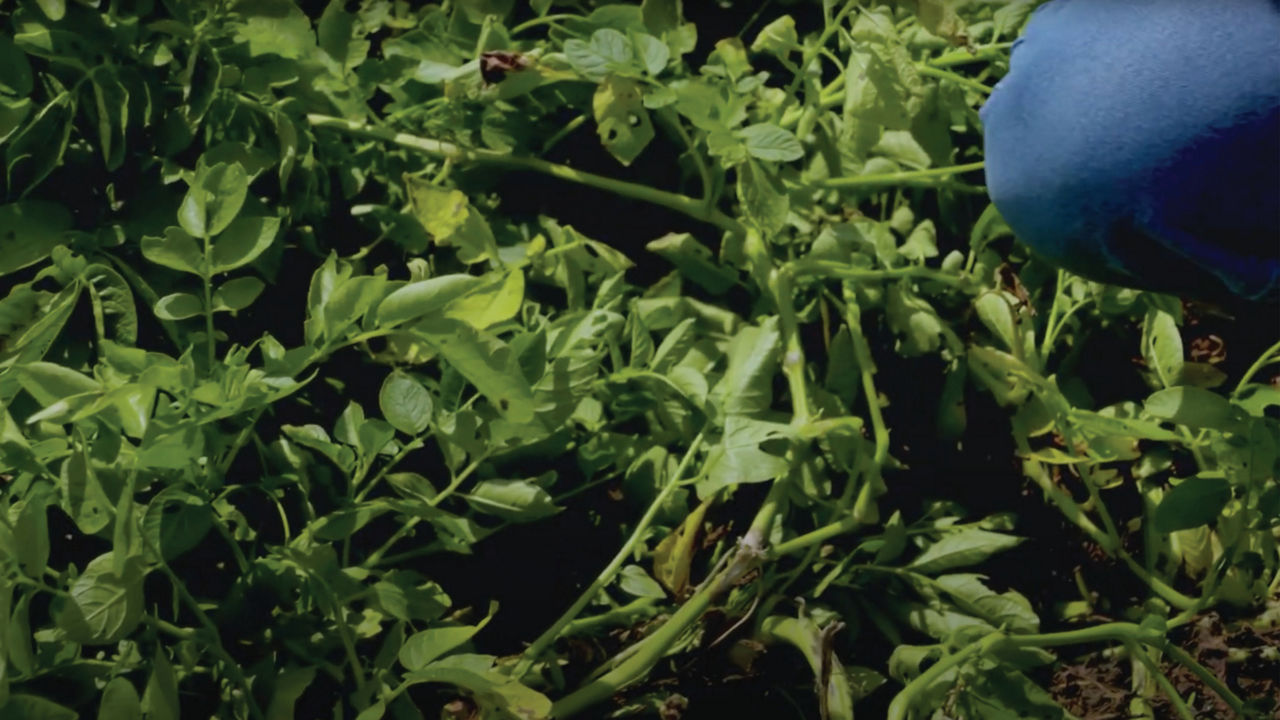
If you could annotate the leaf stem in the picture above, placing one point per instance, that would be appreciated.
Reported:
(684, 204)
(906, 177)
(606, 576)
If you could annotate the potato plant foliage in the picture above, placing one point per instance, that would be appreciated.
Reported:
(305, 308)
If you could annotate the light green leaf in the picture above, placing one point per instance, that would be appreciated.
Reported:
(608, 51)
(515, 500)
(214, 200)
(237, 294)
(778, 37)
(102, 605)
(968, 546)
(1191, 406)
(423, 647)
(747, 384)
(178, 306)
(497, 301)
(424, 298)
(635, 581)
(452, 220)
(405, 403)
(484, 361)
(176, 250)
(771, 143)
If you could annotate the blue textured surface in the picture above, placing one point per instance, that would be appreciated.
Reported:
(1138, 142)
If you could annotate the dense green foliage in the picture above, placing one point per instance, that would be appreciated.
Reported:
(305, 311)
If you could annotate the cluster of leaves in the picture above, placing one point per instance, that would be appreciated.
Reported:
(274, 341)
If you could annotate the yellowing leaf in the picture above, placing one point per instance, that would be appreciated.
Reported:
(674, 555)
(621, 119)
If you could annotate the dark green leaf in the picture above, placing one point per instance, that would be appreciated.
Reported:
(1191, 503)
(29, 231)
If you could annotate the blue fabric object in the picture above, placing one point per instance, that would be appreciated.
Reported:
(1138, 142)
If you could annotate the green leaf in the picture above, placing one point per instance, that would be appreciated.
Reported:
(119, 701)
(38, 148)
(237, 294)
(635, 581)
(111, 105)
(176, 521)
(423, 647)
(763, 200)
(273, 27)
(653, 53)
(747, 385)
(514, 500)
(243, 241)
(15, 70)
(424, 298)
(176, 250)
(695, 261)
(1191, 406)
(29, 231)
(33, 707)
(161, 696)
(485, 362)
(496, 694)
(766, 141)
(102, 605)
(49, 382)
(214, 200)
(290, 684)
(1162, 346)
(968, 546)
(178, 306)
(621, 119)
(1191, 503)
(1008, 609)
(53, 9)
(405, 403)
(608, 51)
(738, 459)
(777, 38)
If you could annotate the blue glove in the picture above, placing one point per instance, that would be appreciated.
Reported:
(1138, 142)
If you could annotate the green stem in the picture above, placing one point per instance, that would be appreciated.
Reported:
(1271, 355)
(906, 177)
(684, 204)
(606, 576)
(962, 57)
(622, 615)
(1107, 632)
(1154, 670)
(832, 269)
(956, 78)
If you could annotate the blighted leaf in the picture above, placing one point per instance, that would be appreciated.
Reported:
(771, 143)
(1191, 503)
(498, 301)
(102, 605)
(961, 548)
(452, 220)
(621, 119)
(29, 231)
(405, 403)
(673, 558)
